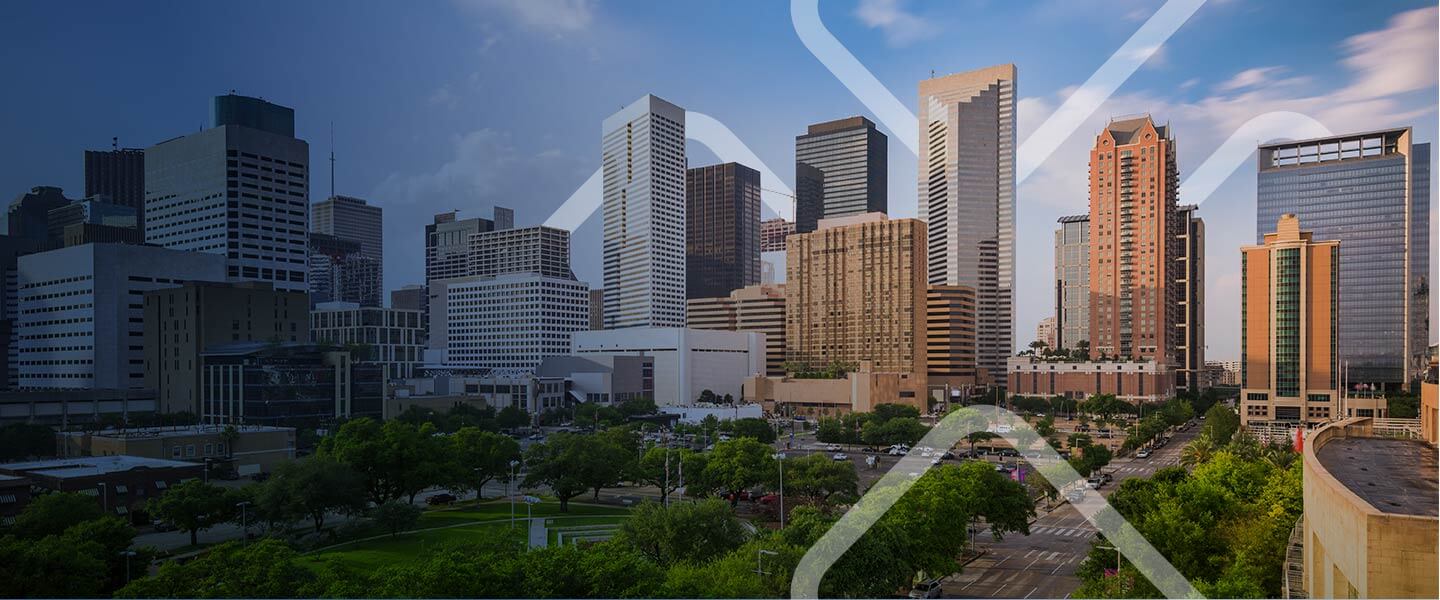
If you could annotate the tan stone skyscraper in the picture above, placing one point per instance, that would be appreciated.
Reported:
(1134, 241)
(967, 194)
(1288, 320)
(855, 291)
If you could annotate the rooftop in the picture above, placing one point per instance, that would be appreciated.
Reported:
(181, 431)
(89, 466)
(1394, 476)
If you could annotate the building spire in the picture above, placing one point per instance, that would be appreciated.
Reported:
(332, 159)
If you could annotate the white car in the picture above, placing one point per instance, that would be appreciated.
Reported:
(1144, 453)
(832, 447)
(839, 456)
(935, 461)
(898, 452)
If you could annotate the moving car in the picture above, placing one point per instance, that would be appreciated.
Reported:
(839, 456)
(929, 588)
(832, 447)
(1143, 453)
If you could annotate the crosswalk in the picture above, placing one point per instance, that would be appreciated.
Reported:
(1062, 531)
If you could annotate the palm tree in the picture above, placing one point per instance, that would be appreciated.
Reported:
(1197, 451)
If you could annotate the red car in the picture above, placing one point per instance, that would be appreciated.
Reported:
(769, 499)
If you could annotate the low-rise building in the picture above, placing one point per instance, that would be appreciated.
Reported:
(1370, 524)
(686, 362)
(243, 449)
(758, 308)
(392, 338)
(14, 495)
(121, 485)
(284, 384)
(65, 408)
(1128, 380)
(441, 390)
(858, 391)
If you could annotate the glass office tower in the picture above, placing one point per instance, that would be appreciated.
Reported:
(1371, 192)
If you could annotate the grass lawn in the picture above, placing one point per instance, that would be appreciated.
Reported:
(439, 528)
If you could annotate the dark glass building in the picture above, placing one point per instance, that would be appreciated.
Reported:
(119, 175)
(852, 158)
(1371, 192)
(722, 229)
(285, 384)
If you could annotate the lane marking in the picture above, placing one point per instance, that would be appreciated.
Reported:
(1032, 591)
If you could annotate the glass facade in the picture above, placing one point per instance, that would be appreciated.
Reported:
(1287, 323)
(1354, 189)
(1072, 281)
(852, 158)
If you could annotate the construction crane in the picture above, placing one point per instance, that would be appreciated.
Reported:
(793, 200)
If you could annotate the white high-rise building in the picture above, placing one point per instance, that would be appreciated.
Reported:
(643, 157)
(238, 189)
(81, 317)
(509, 321)
(967, 194)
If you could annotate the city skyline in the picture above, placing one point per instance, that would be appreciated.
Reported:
(432, 157)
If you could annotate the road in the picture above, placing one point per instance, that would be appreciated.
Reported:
(1043, 564)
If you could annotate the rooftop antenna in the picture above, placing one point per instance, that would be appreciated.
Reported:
(932, 73)
(114, 143)
(332, 159)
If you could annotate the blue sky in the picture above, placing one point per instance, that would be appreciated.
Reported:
(475, 103)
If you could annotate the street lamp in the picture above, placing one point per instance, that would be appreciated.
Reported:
(244, 525)
(780, 456)
(1117, 557)
(104, 497)
(127, 554)
(509, 490)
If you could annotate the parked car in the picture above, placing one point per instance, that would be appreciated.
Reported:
(1074, 496)
(839, 456)
(929, 588)
(162, 526)
(259, 477)
(1107, 477)
(1095, 483)
(832, 447)
(1143, 453)
(769, 499)
(898, 452)
(537, 436)
(441, 499)
(1010, 452)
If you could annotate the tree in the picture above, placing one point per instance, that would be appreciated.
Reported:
(1197, 451)
(899, 430)
(265, 569)
(816, 479)
(193, 506)
(566, 463)
(52, 514)
(886, 412)
(479, 457)
(643, 405)
(396, 516)
(653, 465)
(311, 488)
(512, 417)
(1045, 427)
(707, 397)
(739, 464)
(979, 436)
(1220, 424)
(51, 566)
(751, 427)
(229, 435)
(693, 532)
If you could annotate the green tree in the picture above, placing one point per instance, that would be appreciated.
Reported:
(816, 479)
(707, 397)
(1197, 451)
(51, 566)
(885, 412)
(312, 488)
(899, 430)
(512, 417)
(693, 532)
(19, 441)
(568, 464)
(52, 514)
(193, 506)
(653, 469)
(396, 516)
(479, 457)
(739, 464)
(265, 569)
(759, 429)
(1220, 424)
(1045, 427)
(979, 436)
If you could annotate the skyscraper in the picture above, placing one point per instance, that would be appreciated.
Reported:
(238, 189)
(1072, 281)
(353, 219)
(950, 337)
(539, 249)
(855, 291)
(340, 271)
(759, 308)
(967, 193)
(1134, 229)
(851, 157)
(29, 213)
(1190, 279)
(1370, 191)
(722, 229)
(119, 175)
(447, 242)
(643, 159)
(1289, 315)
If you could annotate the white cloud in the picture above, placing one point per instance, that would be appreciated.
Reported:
(554, 16)
(443, 96)
(1249, 78)
(1400, 58)
(900, 27)
(480, 160)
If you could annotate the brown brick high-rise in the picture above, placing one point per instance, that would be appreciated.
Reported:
(1134, 241)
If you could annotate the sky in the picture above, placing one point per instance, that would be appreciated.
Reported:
(470, 104)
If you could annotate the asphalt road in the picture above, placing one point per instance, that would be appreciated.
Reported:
(1043, 564)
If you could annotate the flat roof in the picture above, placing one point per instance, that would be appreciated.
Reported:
(1394, 476)
(168, 432)
(89, 466)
